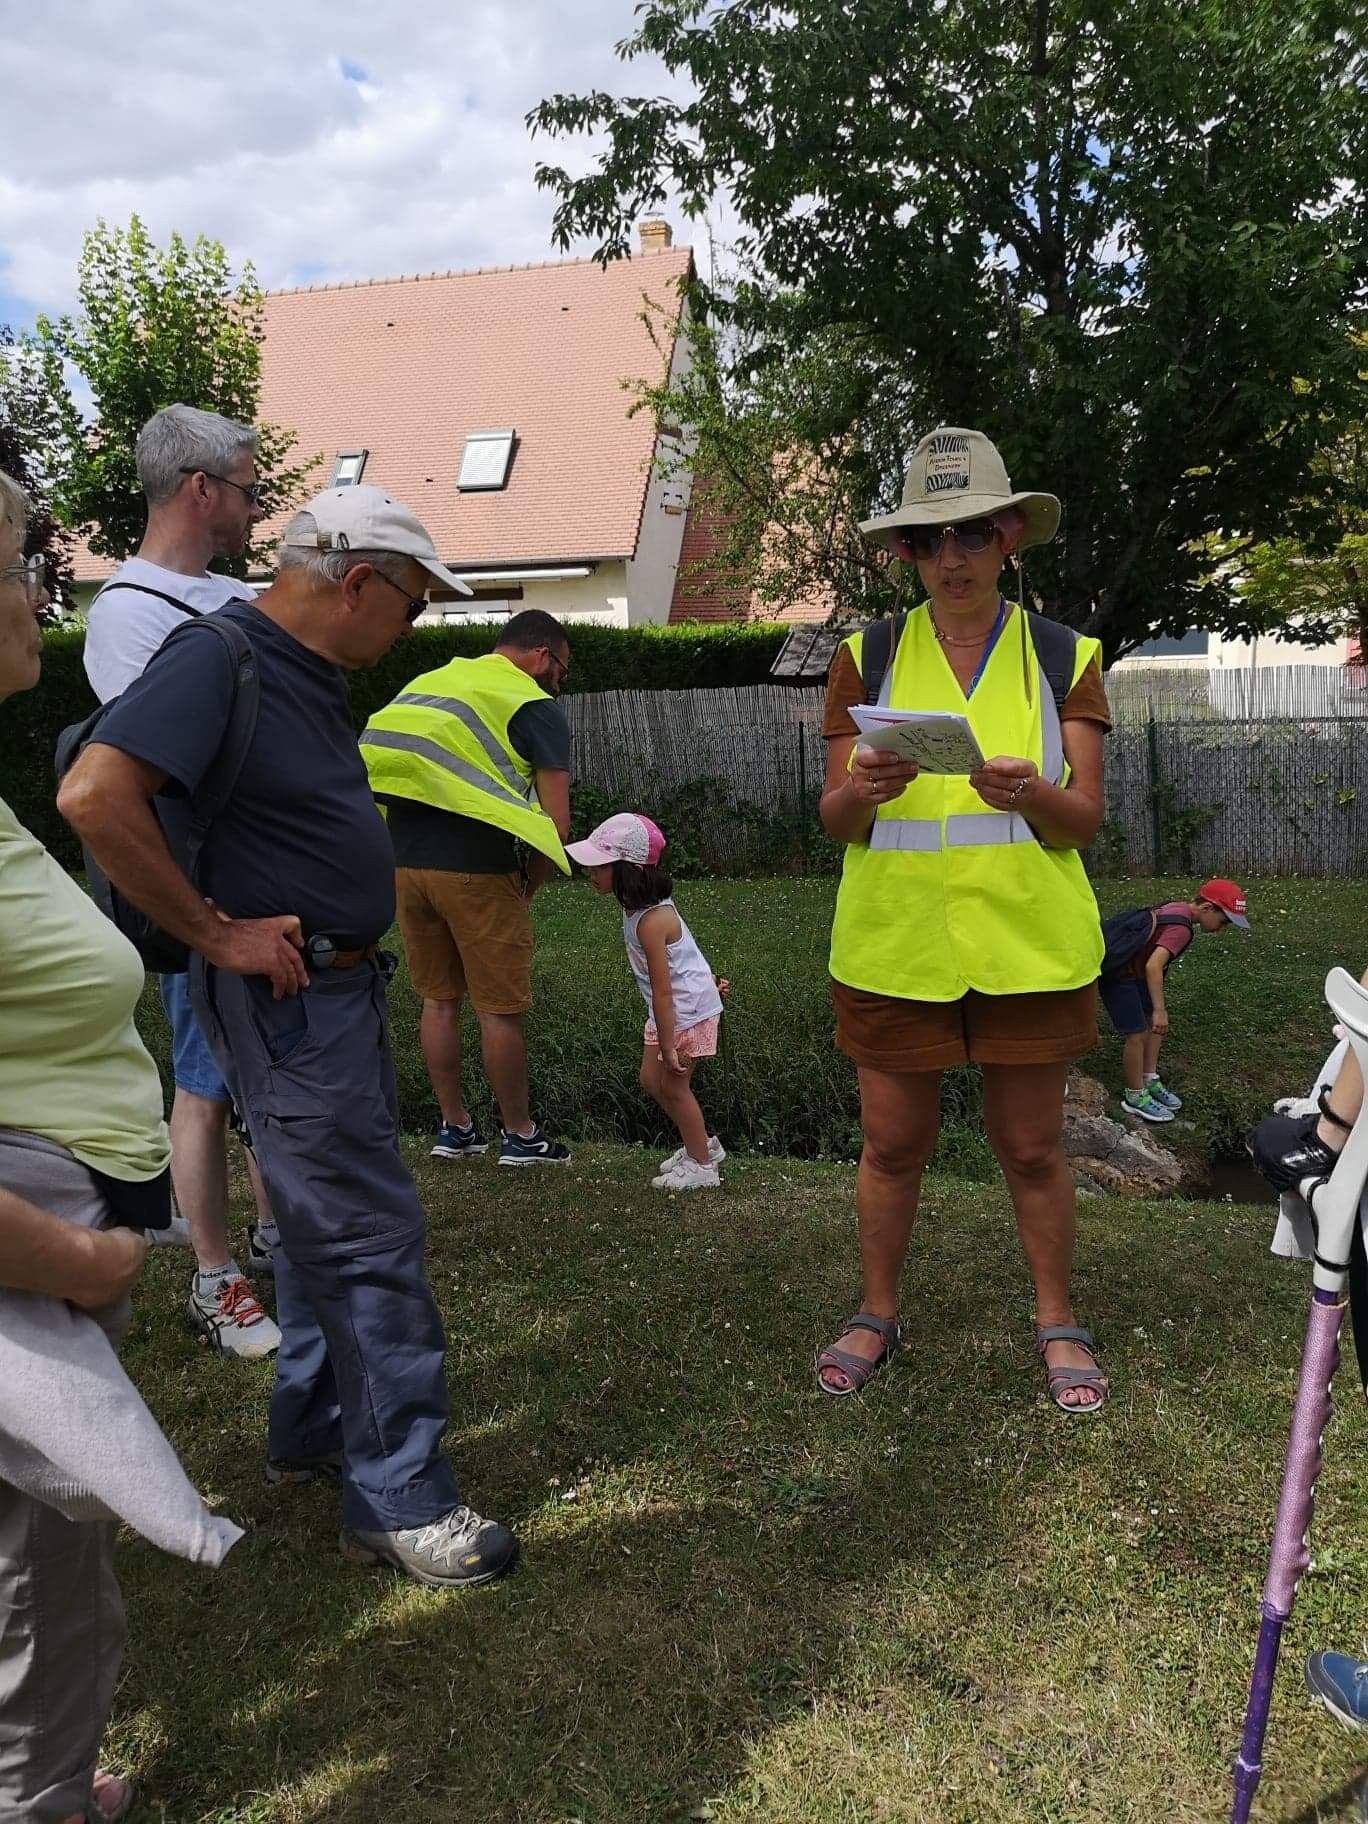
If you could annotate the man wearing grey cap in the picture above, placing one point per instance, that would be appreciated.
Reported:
(294, 889)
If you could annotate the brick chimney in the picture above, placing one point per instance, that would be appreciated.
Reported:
(655, 234)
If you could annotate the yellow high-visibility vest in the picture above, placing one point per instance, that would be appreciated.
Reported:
(947, 895)
(444, 742)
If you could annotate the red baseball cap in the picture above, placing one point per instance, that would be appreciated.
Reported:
(1226, 895)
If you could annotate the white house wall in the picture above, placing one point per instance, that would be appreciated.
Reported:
(599, 598)
(652, 571)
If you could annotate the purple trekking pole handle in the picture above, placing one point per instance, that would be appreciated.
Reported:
(1289, 1556)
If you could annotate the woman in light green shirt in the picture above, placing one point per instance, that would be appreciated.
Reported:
(80, 1118)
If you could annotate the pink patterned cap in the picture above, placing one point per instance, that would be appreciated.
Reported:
(627, 836)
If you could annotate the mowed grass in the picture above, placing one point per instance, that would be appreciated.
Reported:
(1249, 1020)
(738, 1600)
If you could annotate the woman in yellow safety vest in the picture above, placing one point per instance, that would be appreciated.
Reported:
(965, 928)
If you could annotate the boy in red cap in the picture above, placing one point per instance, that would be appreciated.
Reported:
(1141, 944)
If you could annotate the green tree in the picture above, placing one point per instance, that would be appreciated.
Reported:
(154, 326)
(1319, 593)
(784, 456)
(1115, 238)
(29, 442)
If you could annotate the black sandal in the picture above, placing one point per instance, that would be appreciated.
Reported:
(854, 1367)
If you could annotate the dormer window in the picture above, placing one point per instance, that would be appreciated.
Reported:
(485, 461)
(349, 467)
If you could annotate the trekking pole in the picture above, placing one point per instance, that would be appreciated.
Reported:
(1334, 1204)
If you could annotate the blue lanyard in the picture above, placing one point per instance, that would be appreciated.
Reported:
(988, 649)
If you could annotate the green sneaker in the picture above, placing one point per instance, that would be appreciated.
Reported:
(1145, 1105)
(1164, 1097)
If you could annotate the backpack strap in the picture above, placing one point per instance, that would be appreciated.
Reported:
(878, 643)
(142, 589)
(1056, 647)
(210, 799)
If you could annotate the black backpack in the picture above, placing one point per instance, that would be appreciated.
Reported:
(1125, 934)
(1054, 644)
(159, 951)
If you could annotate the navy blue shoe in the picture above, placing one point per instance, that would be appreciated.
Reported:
(532, 1149)
(304, 1469)
(454, 1142)
(1341, 1684)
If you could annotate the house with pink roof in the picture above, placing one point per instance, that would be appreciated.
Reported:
(498, 405)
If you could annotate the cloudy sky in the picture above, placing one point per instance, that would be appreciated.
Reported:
(321, 139)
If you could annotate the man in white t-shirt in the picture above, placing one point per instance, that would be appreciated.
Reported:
(198, 471)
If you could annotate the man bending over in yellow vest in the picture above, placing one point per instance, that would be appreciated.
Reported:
(470, 760)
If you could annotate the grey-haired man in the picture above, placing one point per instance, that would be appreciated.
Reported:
(198, 471)
(290, 988)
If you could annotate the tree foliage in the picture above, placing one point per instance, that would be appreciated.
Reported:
(154, 327)
(1129, 243)
(29, 442)
(1320, 594)
(785, 456)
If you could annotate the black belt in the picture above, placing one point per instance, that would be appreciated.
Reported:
(324, 952)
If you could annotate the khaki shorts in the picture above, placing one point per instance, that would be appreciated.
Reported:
(467, 934)
(882, 1032)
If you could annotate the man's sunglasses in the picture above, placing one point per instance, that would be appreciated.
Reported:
(417, 604)
(973, 536)
(252, 489)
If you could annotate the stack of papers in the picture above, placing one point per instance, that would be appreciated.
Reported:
(938, 741)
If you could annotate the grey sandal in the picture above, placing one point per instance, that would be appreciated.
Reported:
(1060, 1380)
(855, 1368)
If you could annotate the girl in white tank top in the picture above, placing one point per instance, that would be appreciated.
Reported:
(683, 997)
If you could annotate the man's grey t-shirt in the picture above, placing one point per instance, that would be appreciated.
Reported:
(302, 834)
(425, 837)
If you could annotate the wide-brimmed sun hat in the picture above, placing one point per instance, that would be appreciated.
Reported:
(957, 475)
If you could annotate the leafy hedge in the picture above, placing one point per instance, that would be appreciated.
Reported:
(602, 658)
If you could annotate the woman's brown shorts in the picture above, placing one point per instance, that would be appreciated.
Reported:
(885, 1033)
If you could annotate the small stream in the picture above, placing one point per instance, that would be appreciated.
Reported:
(1234, 1178)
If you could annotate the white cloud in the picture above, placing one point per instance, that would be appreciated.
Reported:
(320, 139)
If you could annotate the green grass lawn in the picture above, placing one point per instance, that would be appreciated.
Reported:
(738, 1600)
(1249, 1021)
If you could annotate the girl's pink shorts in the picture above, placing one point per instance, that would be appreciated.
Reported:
(694, 1042)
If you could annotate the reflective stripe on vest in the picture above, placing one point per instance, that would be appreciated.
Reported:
(968, 830)
(430, 750)
(464, 713)
(947, 896)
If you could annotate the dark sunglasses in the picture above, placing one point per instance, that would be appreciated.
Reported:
(973, 536)
(417, 604)
(252, 489)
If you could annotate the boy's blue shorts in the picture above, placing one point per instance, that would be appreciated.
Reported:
(1128, 1005)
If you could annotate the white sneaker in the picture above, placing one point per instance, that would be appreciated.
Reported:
(716, 1153)
(231, 1320)
(689, 1175)
(176, 1234)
